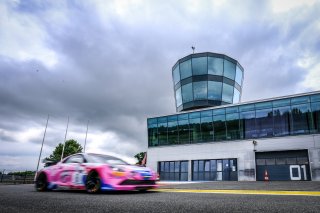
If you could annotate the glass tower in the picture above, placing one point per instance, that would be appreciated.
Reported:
(205, 80)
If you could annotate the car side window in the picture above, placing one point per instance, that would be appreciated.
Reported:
(75, 159)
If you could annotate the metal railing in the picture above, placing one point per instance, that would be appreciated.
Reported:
(11, 178)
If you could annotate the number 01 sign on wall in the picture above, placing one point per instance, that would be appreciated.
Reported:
(296, 172)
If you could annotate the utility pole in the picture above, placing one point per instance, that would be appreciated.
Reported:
(65, 139)
(85, 140)
(44, 135)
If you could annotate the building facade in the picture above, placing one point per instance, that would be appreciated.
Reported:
(213, 139)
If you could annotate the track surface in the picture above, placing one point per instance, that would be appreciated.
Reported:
(23, 198)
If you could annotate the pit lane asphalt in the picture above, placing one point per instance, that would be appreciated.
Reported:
(245, 185)
(23, 198)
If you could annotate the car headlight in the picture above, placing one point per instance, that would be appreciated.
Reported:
(117, 172)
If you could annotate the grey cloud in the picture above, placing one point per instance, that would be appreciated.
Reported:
(117, 72)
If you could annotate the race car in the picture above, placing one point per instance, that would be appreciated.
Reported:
(95, 173)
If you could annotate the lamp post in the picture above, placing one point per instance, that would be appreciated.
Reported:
(44, 135)
(65, 138)
(85, 140)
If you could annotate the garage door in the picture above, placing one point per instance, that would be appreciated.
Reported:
(284, 165)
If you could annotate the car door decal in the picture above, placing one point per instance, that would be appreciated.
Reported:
(78, 175)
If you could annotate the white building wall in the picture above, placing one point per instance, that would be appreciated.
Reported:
(243, 150)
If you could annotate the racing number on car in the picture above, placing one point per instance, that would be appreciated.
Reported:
(78, 174)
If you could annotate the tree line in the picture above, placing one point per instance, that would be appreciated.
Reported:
(71, 147)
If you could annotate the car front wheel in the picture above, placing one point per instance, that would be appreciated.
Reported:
(93, 183)
(41, 183)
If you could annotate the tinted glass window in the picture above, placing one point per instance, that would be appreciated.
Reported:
(201, 164)
(219, 127)
(207, 128)
(283, 102)
(301, 119)
(162, 132)
(264, 123)
(177, 166)
(153, 134)
(315, 107)
(227, 93)
(199, 66)
(233, 164)
(247, 124)
(162, 119)
(236, 96)
(239, 75)
(75, 159)
(187, 94)
(232, 123)
(178, 97)
(221, 111)
(229, 69)
(152, 121)
(206, 113)
(183, 116)
(94, 158)
(207, 166)
(194, 115)
(232, 109)
(173, 132)
(263, 105)
(213, 165)
(184, 166)
(185, 68)
(215, 66)
(171, 167)
(200, 90)
(282, 120)
(166, 166)
(247, 107)
(214, 90)
(172, 118)
(195, 130)
(300, 100)
(195, 166)
(161, 166)
(315, 98)
(176, 75)
(219, 165)
(184, 131)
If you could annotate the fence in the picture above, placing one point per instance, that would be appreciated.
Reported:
(11, 178)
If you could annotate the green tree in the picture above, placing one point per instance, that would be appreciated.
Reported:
(71, 147)
(139, 157)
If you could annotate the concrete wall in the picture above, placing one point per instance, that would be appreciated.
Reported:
(243, 150)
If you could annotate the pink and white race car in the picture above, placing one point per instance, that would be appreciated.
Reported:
(94, 173)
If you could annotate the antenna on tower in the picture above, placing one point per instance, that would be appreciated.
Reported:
(193, 48)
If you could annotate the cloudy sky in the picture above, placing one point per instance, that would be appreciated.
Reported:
(110, 62)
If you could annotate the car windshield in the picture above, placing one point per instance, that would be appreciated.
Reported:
(94, 158)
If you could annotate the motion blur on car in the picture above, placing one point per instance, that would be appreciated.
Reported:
(95, 173)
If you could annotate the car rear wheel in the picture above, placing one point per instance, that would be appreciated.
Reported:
(93, 183)
(41, 183)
